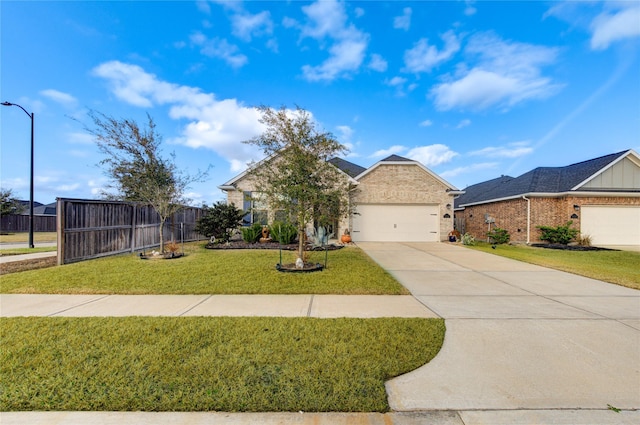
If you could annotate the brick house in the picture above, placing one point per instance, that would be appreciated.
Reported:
(397, 199)
(601, 196)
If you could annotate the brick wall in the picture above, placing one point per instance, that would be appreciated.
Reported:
(512, 214)
(406, 184)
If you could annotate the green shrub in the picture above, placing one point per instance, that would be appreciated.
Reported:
(467, 239)
(219, 221)
(252, 233)
(499, 236)
(561, 234)
(283, 232)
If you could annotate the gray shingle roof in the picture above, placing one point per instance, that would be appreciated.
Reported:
(349, 168)
(538, 180)
(396, 158)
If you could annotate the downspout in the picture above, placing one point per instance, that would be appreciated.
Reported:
(528, 218)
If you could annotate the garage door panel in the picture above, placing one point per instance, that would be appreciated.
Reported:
(396, 223)
(611, 225)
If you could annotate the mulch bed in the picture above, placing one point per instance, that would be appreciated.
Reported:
(267, 245)
(21, 266)
(571, 247)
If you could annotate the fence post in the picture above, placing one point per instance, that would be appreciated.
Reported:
(132, 239)
(60, 229)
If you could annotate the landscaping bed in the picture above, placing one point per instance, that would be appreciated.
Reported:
(268, 245)
(570, 247)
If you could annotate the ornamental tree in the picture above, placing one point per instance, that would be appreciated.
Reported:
(296, 176)
(136, 168)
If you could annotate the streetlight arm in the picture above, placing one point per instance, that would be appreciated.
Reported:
(15, 104)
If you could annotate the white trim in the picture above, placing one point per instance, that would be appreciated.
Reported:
(583, 194)
(408, 162)
(229, 185)
(611, 164)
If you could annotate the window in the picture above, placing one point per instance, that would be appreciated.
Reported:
(256, 209)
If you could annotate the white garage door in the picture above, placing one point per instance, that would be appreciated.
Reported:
(609, 225)
(396, 223)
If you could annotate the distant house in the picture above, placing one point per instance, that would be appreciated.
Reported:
(398, 199)
(601, 196)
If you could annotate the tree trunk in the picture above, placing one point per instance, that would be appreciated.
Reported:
(162, 220)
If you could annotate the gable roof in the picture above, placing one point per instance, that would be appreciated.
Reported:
(546, 180)
(399, 160)
(347, 167)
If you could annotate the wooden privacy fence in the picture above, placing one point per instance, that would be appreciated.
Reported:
(91, 229)
(20, 223)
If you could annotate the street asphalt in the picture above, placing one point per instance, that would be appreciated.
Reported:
(524, 344)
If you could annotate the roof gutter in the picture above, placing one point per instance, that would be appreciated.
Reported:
(554, 195)
(528, 218)
(226, 187)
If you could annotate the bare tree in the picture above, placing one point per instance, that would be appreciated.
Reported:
(136, 168)
(296, 176)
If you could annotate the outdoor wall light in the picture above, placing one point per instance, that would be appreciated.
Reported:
(576, 207)
(448, 206)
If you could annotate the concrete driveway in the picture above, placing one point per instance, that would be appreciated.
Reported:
(519, 337)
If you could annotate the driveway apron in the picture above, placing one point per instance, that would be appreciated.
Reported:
(519, 336)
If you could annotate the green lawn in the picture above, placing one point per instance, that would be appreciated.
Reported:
(619, 267)
(202, 271)
(19, 251)
(24, 237)
(206, 364)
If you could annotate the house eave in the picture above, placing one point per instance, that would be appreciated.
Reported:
(226, 187)
(629, 153)
(450, 187)
(582, 194)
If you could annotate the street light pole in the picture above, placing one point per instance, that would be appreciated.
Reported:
(32, 116)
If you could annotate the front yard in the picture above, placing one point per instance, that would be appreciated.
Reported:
(619, 267)
(349, 271)
(208, 363)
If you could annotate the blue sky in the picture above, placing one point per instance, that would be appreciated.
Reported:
(472, 89)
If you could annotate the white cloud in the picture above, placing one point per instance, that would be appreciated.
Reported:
(512, 150)
(246, 25)
(426, 123)
(612, 26)
(464, 123)
(469, 9)
(403, 21)
(60, 97)
(507, 73)
(219, 48)
(432, 155)
(328, 20)
(386, 152)
(396, 81)
(423, 57)
(203, 6)
(378, 63)
(468, 169)
(219, 125)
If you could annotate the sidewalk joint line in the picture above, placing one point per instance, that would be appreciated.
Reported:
(78, 305)
(194, 306)
(310, 305)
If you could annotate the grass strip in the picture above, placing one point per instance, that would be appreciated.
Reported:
(20, 251)
(619, 267)
(24, 237)
(349, 271)
(206, 364)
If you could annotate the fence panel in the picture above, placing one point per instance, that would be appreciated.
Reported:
(91, 229)
(20, 223)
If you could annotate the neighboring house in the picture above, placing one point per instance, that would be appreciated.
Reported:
(397, 199)
(601, 196)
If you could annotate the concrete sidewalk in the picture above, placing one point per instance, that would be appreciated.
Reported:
(320, 306)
